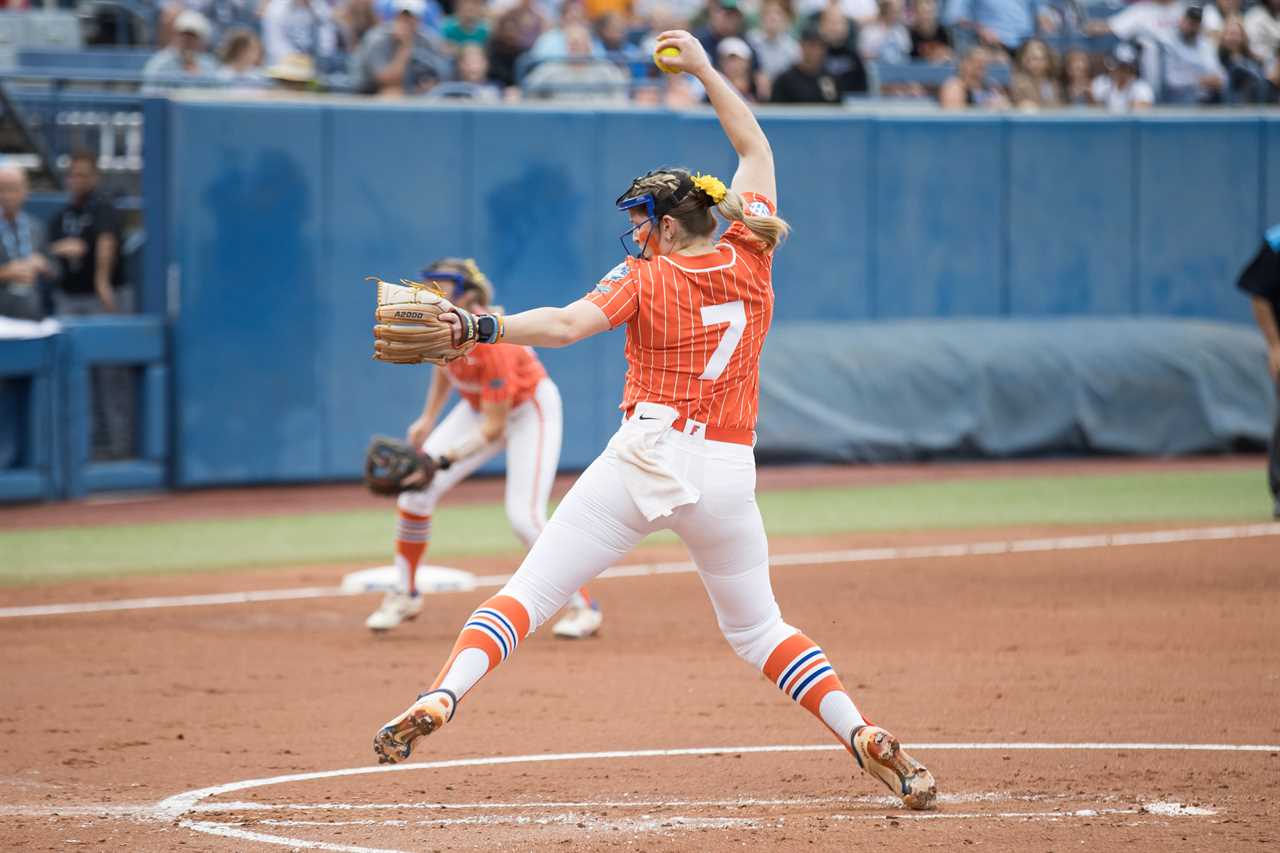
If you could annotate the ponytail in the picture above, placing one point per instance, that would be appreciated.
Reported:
(769, 230)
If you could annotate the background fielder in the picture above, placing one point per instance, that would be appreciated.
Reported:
(508, 401)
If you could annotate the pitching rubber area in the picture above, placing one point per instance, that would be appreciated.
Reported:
(1079, 690)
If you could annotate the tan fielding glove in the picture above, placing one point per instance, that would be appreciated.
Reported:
(409, 329)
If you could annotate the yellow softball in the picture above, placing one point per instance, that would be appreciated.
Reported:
(666, 51)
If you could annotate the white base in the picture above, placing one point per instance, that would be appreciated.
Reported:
(428, 579)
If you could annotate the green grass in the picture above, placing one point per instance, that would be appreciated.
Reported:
(360, 537)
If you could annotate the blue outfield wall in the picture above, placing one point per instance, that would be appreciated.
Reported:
(270, 215)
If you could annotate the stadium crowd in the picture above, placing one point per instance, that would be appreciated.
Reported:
(991, 54)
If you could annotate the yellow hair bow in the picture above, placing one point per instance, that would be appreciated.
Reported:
(711, 185)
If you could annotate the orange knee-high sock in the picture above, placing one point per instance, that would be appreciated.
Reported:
(799, 668)
(413, 532)
(490, 635)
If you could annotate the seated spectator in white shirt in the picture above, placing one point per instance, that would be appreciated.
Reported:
(1262, 24)
(184, 60)
(775, 47)
(578, 75)
(300, 26)
(1149, 23)
(885, 39)
(241, 57)
(1192, 72)
(399, 57)
(1120, 90)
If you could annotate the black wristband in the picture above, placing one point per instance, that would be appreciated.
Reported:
(443, 462)
(488, 329)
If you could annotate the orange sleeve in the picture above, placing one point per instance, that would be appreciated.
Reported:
(739, 234)
(498, 374)
(618, 293)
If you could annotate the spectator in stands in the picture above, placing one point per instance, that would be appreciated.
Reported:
(612, 36)
(1035, 82)
(930, 41)
(809, 81)
(354, 19)
(776, 49)
(553, 44)
(724, 20)
(472, 67)
(1151, 24)
(885, 39)
(469, 24)
(970, 87)
(1060, 17)
(1077, 78)
(1001, 25)
(1120, 90)
(185, 59)
(241, 57)
(222, 15)
(22, 243)
(579, 75)
(1262, 25)
(514, 32)
(300, 26)
(1246, 76)
(1192, 72)
(843, 62)
(733, 61)
(398, 57)
(858, 10)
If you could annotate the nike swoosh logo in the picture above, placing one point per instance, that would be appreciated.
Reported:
(643, 418)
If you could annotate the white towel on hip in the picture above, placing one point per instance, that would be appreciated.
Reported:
(646, 474)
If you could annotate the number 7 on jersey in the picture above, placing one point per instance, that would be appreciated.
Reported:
(736, 316)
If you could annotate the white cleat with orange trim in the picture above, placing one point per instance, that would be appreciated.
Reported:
(394, 741)
(578, 623)
(880, 754)
(396, 607)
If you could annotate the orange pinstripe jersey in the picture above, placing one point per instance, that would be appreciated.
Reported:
(497, 372)
(696, 326)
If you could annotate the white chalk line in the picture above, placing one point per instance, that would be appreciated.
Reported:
(176, 807)
(812, 558)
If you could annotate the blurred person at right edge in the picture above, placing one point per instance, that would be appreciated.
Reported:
(1262, 23)
(970, 87)
(1120, 90)
(1035, 82)
(1261, 280)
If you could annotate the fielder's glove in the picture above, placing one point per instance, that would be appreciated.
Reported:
(391, 466)
(409, 327)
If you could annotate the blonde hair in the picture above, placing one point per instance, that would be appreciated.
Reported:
(470, 271)
(693, 211)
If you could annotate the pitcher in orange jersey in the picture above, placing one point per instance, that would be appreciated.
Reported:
(508, 402)
(697, 311)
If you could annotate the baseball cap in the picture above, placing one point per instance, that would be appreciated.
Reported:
(811, 33)
(413, 7)
(1195, 13)
(734, 46)
(191, 21)
(1124, 54)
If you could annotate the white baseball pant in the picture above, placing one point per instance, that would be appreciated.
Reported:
(532, 441)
